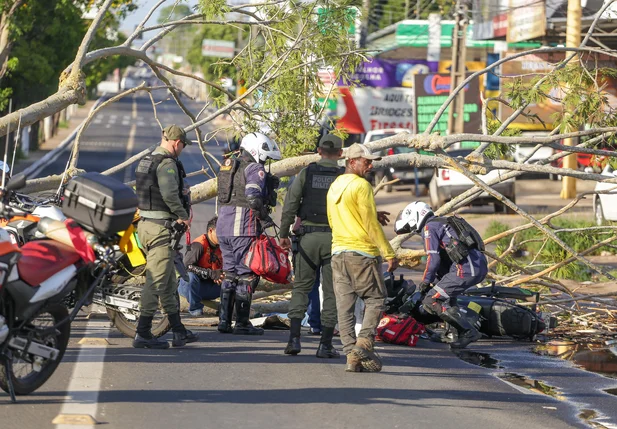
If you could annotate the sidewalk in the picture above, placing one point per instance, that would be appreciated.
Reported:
(80, 114)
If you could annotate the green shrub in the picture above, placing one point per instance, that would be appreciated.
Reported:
(546, 251)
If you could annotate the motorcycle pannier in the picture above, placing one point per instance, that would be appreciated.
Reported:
(100, 204)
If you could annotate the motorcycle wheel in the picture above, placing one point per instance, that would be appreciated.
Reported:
(128, 327)
(23, 375)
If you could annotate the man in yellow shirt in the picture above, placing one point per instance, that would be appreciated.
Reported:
(358, 245)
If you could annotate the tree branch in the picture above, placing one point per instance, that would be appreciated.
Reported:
(85, 43)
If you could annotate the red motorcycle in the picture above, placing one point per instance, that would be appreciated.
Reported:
(38, 278)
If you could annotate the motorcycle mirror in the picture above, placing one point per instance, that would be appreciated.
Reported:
(16, 182)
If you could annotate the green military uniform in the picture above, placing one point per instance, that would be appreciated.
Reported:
(317, 246)
(161, 282)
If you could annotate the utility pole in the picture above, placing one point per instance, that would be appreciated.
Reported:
(366, 8)
(573, 40)
(457, 69)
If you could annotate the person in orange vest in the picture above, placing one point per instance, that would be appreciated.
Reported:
(204, 263)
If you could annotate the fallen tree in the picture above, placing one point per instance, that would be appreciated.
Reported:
(286, 47)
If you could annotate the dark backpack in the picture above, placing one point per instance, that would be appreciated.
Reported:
(467, 234)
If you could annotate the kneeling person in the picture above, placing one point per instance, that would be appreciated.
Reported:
(204, 264)
(454, 264)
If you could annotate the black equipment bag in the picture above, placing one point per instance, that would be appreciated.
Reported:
(100, 204)
(504, 318)
(467, 234)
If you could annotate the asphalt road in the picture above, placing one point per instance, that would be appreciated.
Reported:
(226, 381)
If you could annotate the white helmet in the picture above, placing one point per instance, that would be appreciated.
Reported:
(260, 147)
(413, 217)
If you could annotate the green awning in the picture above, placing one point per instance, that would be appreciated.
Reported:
(416, 33)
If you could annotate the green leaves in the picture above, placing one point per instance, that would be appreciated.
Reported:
(213, 8)
(281, 63)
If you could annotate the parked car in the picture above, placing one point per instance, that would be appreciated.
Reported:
(522, 151)
(406, 174)
(605, 205)
(448, 184)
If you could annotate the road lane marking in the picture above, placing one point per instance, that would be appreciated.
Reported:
(83, 391)
(131, 143)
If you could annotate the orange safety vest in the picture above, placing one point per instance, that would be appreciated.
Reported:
(208, 260)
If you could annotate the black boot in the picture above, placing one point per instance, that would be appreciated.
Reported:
(293, 346)
(182, 336)
(326, 350)
(467, 333)
(226, 309)
(243, 313)
(144, 338)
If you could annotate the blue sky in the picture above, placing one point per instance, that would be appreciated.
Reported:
(144, 7)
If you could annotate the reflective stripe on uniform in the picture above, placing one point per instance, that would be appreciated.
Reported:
(441, 292)
(238, 221)
(471, 267)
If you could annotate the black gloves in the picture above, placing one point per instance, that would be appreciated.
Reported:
(202, 273)
(424, 287)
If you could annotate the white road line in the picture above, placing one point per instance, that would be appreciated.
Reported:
(83, 391)
(131, 143)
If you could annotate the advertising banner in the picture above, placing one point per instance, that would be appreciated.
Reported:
(470, 66)
(530, 66)
(391, 74)
(431, 92)
(369, 109)
(526, 20)
(218, 48)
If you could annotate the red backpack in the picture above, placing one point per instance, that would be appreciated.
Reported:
(399, 329)
(268, 260)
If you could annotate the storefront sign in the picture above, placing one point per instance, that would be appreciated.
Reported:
(431, 92)
(373, 109)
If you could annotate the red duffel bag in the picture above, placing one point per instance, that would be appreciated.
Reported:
(268, 260)
(403, 330)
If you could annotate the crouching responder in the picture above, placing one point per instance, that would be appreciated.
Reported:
(160, 182)
(204, 263)
(307, 199)
(246, 194)
(455, 262)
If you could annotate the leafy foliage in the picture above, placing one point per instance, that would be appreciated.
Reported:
(496, 150)
(531, 243)
(46, 37)
(281, 63)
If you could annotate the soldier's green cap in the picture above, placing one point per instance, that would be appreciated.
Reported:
(331, 141)
(174, 132)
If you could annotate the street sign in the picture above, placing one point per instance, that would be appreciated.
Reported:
(218, 48)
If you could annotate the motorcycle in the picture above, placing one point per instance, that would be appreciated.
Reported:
(35, 281)
(120, 293)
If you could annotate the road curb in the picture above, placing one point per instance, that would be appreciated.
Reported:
(35, 169)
